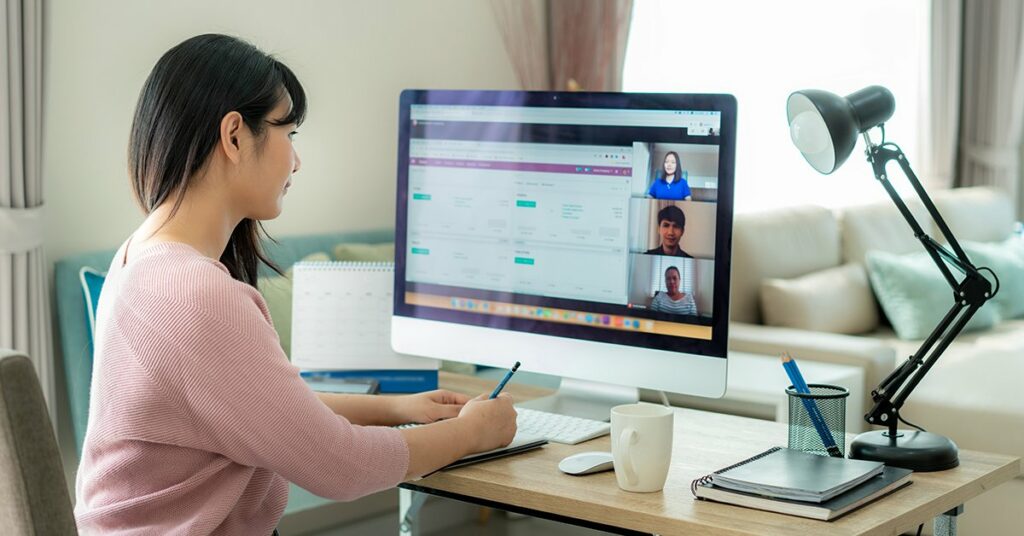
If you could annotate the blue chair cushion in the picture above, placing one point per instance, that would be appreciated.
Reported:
(92, 283)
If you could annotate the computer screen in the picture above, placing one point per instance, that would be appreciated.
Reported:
(568, 221)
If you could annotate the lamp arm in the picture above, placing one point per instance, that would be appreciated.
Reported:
(892, 392)
(968, 295)
(879, 156)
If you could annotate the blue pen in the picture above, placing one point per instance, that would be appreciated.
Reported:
(813, 412)
(508, 376)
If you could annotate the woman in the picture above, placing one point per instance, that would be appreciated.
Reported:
(670, 184)
(197, 420)
(674, 301)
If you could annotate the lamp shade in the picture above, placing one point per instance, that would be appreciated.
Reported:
(825, 126)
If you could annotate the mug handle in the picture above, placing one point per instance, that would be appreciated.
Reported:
(622, 452)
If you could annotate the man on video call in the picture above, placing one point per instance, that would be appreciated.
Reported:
(671, 224)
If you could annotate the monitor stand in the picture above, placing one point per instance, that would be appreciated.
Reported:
(585, 399)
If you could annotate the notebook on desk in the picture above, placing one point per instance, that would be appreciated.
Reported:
(522, 442)
(799, 483)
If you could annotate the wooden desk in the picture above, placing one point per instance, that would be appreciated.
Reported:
(530, 483)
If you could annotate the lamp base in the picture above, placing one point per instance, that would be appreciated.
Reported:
(910, 449)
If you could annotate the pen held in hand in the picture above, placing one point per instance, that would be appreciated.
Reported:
(508, 376)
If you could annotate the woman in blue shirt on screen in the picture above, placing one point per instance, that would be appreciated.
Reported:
(670, 183)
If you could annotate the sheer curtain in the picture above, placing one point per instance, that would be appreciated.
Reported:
(24, 302)
(760, 53)
(940, 114)
(992, 102)
(566, 44)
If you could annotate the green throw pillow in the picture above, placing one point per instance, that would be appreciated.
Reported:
(355, 252)
(1006, 259)
(277, 291)
(914, 294)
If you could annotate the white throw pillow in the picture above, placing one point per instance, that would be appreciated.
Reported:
(836, 300)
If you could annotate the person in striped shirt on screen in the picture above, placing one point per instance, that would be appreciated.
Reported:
(674, 300)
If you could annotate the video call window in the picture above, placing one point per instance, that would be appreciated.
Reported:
(672, 228)
(561, 230)
(675, 171)
(673, 285)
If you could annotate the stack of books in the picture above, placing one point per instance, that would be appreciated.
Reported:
(801, 484)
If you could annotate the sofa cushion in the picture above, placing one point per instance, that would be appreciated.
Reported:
(778, 244)
(880, 227)
(973, 398)
(977, 214)
(914, 294)
(1006, 259)
(365, 252)
(836, 300)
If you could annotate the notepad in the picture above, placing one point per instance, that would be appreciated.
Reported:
(889, 481)
(795, 475)
(802, 484)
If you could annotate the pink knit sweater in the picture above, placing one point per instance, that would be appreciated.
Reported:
(197, 420)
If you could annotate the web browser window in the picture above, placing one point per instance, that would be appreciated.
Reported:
(597, 217)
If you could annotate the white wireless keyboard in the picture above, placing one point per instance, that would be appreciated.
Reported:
(559, 428)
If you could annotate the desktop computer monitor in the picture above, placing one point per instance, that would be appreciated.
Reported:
(586, 235)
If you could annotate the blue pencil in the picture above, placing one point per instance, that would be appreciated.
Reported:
(508, 376)
(817, 419)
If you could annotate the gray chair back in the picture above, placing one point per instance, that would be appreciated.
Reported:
(34, 496)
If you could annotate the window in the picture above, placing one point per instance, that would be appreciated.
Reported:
(763, 51)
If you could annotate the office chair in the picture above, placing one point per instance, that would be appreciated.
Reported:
(34, 496)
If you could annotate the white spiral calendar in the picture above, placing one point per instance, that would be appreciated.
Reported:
(341, 318)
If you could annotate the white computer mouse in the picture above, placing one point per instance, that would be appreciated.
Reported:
(586, 463)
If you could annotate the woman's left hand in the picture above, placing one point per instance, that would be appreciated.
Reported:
(428, 407)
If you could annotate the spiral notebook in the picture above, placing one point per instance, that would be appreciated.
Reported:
(799, 483)
(341, 326)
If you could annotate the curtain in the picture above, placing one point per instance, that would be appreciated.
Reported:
(24, 290)
(992, 96)
(566, 45)
(940, 115)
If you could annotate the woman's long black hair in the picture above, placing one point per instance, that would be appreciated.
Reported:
(177, 125)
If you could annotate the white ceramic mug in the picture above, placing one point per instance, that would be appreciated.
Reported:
(641, 446)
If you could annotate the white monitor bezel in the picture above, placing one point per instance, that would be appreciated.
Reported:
(701, 373)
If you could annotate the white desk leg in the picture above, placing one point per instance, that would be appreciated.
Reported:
(409, 504)
(945, 524)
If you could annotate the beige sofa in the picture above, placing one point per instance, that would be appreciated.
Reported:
(971, 395)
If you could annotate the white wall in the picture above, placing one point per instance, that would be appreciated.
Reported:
(353, 57)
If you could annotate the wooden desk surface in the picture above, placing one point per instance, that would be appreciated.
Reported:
(703, 442)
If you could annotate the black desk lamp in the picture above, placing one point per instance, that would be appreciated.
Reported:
(824, 127)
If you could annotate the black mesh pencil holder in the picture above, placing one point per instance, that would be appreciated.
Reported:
(831, 403)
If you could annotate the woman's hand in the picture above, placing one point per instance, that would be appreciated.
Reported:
(492, 422)
(424, 408)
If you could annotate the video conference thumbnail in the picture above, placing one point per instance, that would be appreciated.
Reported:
(673, 285)
(675, 171)
(673, 213)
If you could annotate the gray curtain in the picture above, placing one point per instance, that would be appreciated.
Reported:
(992, 96)
(566, 44)
(24, 302)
